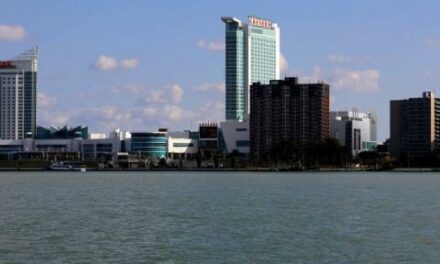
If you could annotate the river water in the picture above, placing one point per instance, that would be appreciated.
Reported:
(219, 217)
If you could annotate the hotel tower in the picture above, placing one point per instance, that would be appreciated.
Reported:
(252, 55)
(18, 95)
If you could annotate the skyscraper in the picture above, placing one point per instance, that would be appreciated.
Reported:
(18, 95)
(252, 55)
(288, 111)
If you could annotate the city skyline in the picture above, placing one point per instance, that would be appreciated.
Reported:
(140, 72)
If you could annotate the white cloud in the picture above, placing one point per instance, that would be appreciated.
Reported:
(173, 112)
(358, 81)
(205, 87)
(317, 75)
(339, 58)
(129, 63)
(52, 117)
(169, 94)
(12, 32)
(44, 100)
(106, 118)
(156, 96)
(211, 45)
(150, 111)
(129, 89)
(431, 42)
(158, 108)
(133, 118)
(106, 63)
(176, 93)
(201, 43)
(284, 65)
(347, 79)
(216, 46)
(212, 111)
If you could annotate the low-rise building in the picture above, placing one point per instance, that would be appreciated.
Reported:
(235, 135)
(54, 132)
(182, 145)
(355, 130)
(208, 137)
(149, 144)
(48, 149)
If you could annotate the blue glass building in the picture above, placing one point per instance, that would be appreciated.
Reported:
(149, 144)
(252, 55)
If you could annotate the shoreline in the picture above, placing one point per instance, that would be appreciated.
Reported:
(395, 170)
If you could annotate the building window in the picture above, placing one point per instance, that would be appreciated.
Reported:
(104, 147)
(242, 143)
(183, 145)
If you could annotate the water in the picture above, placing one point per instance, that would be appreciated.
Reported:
(199, 217)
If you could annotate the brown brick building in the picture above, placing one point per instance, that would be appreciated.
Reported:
(286, 110)
(414, 129)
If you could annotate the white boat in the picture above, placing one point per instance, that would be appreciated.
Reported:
(61, 166)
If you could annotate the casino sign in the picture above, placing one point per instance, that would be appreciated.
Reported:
(258, 22)
(6, 65)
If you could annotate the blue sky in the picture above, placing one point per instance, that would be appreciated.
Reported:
(140, 65)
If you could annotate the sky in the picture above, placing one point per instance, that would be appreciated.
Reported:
(140, 65)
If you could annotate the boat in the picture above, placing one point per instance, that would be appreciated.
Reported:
(64, 166)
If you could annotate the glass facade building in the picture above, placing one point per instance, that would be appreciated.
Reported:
(61, 132)
(153, 145)
(252, 55)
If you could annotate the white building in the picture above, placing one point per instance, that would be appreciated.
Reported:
(118, 133)
(88, 149)
(97, 136)
(182, 145)
(18, 95)
(355, 130)
(236, 136)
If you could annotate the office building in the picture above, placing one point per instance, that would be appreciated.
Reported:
(182, 145)
(414, 128)
(355, 130)
(18, 95)
(235, 136)
(208, 137)
(252, 55)
(287, 111)
(149, 144)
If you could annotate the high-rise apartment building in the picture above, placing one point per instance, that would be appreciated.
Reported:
(18, 95)
(252, 55)
(285, 110)
(414, 128)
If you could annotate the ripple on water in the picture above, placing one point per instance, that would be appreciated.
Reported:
(187, 217)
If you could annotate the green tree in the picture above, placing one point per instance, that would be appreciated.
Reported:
(234, 157)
